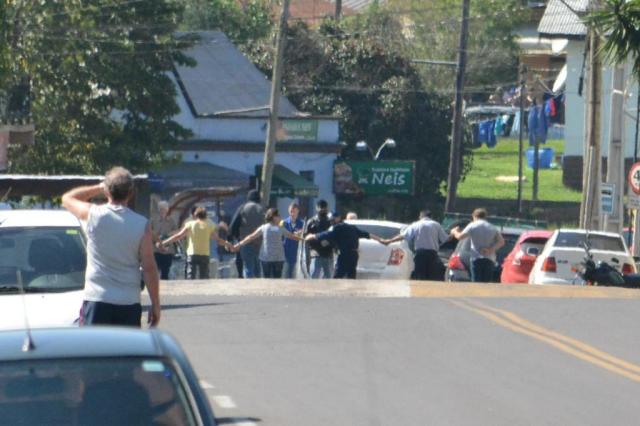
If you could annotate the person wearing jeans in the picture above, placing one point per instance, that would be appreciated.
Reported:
(292, 224)
(271, 250)
(485, 241)
(247, 218)
(321, 252)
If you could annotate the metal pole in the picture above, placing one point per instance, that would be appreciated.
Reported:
(523, 71)
(536, 155)
(276, 83)
(456, 133)
(615, 156)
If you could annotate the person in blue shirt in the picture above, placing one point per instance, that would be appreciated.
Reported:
(294, 225)
(345, 237)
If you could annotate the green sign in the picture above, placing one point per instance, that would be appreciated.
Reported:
(298, 130)
(374, 177)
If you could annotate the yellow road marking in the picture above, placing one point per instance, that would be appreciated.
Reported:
(429, 289)
(566, 344)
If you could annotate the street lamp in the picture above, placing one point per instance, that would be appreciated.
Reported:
(363, 146)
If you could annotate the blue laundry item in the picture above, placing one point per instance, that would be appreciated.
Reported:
(538, 125)
(475, 136)
(515, 129)
(486, 133)
(499, 126)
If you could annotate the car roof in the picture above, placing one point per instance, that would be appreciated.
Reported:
(374, 222)
(82, 342)
(36, 218)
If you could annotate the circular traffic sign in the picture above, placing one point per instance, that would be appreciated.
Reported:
(634, 178)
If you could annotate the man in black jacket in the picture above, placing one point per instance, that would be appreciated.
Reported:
(321, 252)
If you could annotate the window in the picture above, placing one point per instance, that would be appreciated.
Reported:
(96, 391)
(42, 258)
(597, 242)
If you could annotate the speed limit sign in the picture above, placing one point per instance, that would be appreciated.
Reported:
(634, 178)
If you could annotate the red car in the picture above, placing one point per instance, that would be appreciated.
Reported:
(518, 263)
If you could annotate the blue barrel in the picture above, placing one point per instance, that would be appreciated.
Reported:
(545, 157)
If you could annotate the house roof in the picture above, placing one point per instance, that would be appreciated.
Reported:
(224, 82)
(560, 21)
(359, 5)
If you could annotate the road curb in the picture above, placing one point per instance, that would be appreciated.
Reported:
(382, 288)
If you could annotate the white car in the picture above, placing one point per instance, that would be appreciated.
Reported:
(377, 261)
(561, 256)
(44, 253)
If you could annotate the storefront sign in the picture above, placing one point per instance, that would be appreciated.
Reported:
(298, 130)
(374, 177)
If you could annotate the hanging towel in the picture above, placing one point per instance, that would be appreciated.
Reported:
(538, 125)
(499, 126)
(492, 140)
(515, 128)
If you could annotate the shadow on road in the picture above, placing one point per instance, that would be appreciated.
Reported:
(236, 420)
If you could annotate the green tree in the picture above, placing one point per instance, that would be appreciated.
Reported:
(242, 21)
(100, 90)
(620, 21)
(376, 92)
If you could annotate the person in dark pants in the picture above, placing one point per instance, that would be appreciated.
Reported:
(246, 220)
(272, 253)
(162, 226)
(345, 238)
(485, 241)
(427, 235)
(320, 252)
(200, 231)
(119, 243)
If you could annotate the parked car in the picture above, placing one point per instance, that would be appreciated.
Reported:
(518, 263)
(459, 264)
(564, 251)
(394, 261)
(43, 254)
(98, 376)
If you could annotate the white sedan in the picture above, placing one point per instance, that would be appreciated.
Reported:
(561, 256)
(42, 268)
(378, 261)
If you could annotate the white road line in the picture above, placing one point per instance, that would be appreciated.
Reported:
(223, 401)
(206, 385)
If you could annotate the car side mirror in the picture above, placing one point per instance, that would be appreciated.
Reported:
(533, 251)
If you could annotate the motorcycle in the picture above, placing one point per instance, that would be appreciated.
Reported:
(603, 274)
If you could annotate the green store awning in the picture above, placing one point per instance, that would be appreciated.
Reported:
(287, 183)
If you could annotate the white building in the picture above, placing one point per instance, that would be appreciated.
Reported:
(224, 101)
(559, 22)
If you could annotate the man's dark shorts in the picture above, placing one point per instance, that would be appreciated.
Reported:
(101, 313)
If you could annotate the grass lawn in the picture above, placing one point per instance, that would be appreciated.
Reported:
(502, 160)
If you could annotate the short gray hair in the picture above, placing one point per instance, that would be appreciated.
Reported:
(119, 183)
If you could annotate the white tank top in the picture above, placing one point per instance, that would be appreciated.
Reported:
(114, 234)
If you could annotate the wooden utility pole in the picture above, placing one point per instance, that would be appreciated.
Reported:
(338, 9)
(590, 207)
(523, 81)
(455, 157)
(615, 158)
(276, 84)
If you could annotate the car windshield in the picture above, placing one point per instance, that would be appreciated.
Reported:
(42, 259)
(382, 231)
(597, 242)
(95, 391)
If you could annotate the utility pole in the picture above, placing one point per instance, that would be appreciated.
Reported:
(338, 9)
(456, 133)
(523, 81)
(276, 84)
(615, 157)
(590, 207)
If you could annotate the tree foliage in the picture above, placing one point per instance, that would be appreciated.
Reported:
(100, 93)
(242, 22)
(620, 21)
(433, 31)
(377, 93)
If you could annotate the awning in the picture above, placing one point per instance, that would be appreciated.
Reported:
(192, 175)
(287, 183)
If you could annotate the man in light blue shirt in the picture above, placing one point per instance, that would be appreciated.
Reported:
(427, 235)
(485, 241)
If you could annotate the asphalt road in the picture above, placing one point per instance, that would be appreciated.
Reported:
(464, 358)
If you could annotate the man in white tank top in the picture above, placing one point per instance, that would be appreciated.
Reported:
(119, 241)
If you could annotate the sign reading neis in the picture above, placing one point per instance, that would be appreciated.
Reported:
(297, 130)
(374, 177)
